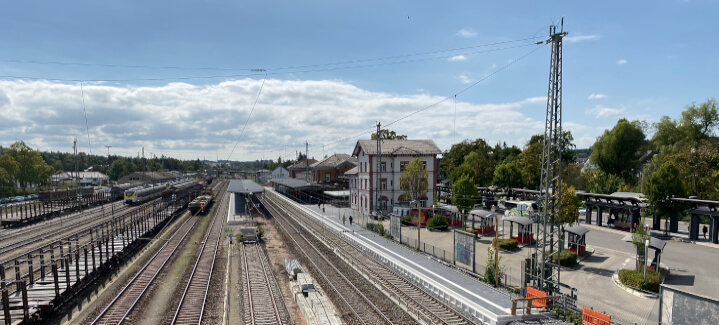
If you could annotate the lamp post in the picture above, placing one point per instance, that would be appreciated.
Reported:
(419, 222)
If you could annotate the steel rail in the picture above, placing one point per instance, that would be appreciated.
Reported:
(194, 276)
(187, 226)
(362, 295)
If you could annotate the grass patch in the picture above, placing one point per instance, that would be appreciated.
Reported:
(506, 244)
(634, 279)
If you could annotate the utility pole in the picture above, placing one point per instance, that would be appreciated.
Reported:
(549, 245)
(108, 156)
(307, 161)
(379, 170)
(77, 173)
(144, 167)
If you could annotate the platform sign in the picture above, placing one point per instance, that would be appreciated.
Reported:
(395, 226)
(464, 250)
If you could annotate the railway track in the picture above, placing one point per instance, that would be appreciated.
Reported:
(260, 290)
(192, 304)
(117, 311)
(422, 305)
(361, 301)
(36, 237)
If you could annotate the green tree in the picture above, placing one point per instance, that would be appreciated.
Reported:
(456, 156)
(9, 169)
(530, 164)
(569, 207)
(507, 176)
(640, 235)
(462, 170)
(464, 196)
(661, 187)
(600, 182)
(489, 268)
(699, 122)
(33, 169)
(618, 151)
(414, 180)
(482, 165)
(389, 135)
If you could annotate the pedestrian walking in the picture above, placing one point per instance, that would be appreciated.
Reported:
(343, 219)
(705, 230)
(350, 220)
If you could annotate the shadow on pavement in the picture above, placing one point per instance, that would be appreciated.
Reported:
(680, 280)
(597, 271)
(594, 258)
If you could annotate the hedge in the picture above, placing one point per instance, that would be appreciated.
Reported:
(437, 221)
(506, 244)
(636, 279)
(566, 258)
(406, 220)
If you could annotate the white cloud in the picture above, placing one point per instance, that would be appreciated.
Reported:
(195, 121)
(465, 79)
(597, 96)
(602, 111)
(621, 62)
(580, 38)
(467, 32)
(458, 58)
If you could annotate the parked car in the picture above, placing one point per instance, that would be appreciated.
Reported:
(19, 198)
(582, 211)
(4, 200)
(34, 196)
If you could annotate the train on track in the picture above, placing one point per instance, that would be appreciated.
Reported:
(167, 191)
(202, 203)
(66, 194)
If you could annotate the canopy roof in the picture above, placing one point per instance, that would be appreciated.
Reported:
(577, 230)
(524, 221)
(655, 243)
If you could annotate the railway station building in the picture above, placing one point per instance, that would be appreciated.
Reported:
(375, 186)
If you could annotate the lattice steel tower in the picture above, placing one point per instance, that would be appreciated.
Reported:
(546, 272)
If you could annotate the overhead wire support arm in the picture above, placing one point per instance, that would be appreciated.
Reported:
(545, 274)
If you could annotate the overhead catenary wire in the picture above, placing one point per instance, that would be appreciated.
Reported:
(430, 105)
(124, 66)
(229, 76)
(249, 115)
(87, 128)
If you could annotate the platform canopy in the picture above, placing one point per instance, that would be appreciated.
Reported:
(524, 221)
(577, 230)
(245, 186)
(655, 243)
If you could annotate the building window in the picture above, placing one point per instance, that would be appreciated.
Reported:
(424, 165)
(403, 165)
(383, 166)
(383, 183)
(327, 177)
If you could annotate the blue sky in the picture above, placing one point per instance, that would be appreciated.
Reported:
(636, 59)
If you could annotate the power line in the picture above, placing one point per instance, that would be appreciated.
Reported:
(111, 65)
(248, 116)
(431, 105)
(87, 128)
(255, 74)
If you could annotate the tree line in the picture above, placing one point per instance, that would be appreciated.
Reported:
(21, 166)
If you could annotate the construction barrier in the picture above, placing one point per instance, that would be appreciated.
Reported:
(536, 293)
(593, 317)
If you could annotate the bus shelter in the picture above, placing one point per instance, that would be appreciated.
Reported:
(525, 234)
(484, 221)
(623, 210)
(655, 244)
(451, 213)
(702, 208)
(577, 239)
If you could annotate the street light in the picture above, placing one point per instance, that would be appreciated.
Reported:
(419, 221)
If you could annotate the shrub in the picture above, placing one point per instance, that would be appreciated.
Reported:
(473, 231)
(406, 220)
(636, 280)
(437, 221)
(506, 244)
(489, 267)
(378, 228)
(566, 258)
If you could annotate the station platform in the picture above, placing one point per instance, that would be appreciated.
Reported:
(479, 299)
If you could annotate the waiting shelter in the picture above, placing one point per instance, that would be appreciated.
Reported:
(525, 234)
(657, 245)
(452, 214)
(623, 208)
(299, 190)
(577, 239)
(702, 208)
(484, 221)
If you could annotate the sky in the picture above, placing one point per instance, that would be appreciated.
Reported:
(247, 80)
